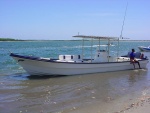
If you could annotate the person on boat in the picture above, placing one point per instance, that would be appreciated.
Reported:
(142, 56)
(133, 60)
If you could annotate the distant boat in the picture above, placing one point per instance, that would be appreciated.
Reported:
(102, 61)
(142, 48)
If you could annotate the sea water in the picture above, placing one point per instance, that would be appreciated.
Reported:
(100, 92)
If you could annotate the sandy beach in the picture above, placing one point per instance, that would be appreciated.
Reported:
(140, 105)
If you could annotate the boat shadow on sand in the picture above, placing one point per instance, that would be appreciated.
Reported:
(44, 76)
(25, 76)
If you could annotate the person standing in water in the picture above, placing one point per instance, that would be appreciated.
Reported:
(133, 60)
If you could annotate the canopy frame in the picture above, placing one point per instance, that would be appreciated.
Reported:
(99, 38)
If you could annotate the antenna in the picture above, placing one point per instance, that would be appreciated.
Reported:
(78, 33)
(123, 21)
(122, 29)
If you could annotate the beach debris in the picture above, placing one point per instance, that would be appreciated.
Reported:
(87, 88)
(127, 108)
(54, 102)
(93, 97)
(73, 108)
(149, 99)
(109, 99)
(119, 111)
(93, 92)
(2, 83)
(41, 111)
(123, 89)
(143, 93)
(142, 100)
(138, 103)
(133, 104)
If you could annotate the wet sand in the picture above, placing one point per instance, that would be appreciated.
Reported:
(113, 92)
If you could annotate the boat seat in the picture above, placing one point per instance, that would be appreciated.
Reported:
(45, 58)
(70, 58)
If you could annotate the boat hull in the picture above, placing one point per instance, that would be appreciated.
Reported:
(147, 49)
(36, 66)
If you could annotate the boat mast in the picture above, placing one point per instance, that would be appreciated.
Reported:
(122, 29)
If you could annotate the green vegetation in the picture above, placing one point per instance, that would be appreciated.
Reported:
(9, 39)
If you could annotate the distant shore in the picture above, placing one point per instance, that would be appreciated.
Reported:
(11, 39)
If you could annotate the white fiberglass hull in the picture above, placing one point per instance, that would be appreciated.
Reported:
(45, 67)
(142, 48)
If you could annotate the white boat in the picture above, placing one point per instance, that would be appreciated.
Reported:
(77, 64)
(142, 48)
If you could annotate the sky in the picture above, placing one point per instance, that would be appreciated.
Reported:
(62, 19)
